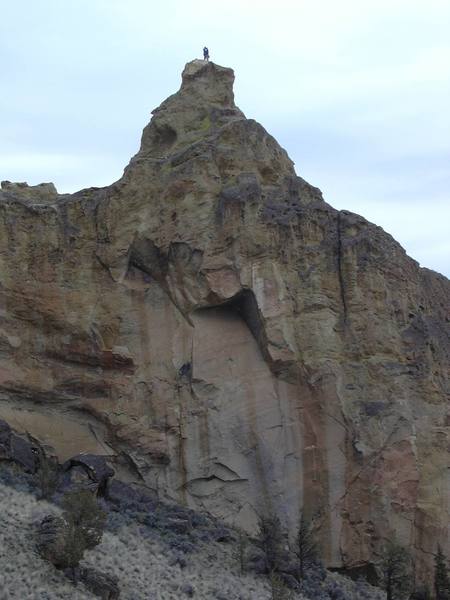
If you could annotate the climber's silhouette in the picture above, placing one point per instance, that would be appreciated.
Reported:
(205, 53)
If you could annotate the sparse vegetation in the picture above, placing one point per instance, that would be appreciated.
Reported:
(148, 551)
(134, 548)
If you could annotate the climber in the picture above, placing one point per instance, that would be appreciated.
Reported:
(205, 54)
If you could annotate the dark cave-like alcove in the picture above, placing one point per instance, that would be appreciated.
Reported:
(245, 306)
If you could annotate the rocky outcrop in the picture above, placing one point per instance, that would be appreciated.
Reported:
(17, 449)
(86, 472)
(218, 332)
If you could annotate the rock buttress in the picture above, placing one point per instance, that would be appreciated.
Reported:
(222, 334)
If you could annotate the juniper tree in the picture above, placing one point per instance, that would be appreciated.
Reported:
(441, 577)
(271, 539)
(396, 570)
(305, 546)
(64, 540)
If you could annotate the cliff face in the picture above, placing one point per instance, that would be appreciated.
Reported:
(228, 338)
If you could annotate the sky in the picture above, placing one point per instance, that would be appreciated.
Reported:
(356, 91)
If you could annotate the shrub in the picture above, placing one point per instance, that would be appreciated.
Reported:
(64, 540)
(85, 517)
(312, 585)
(278, 589)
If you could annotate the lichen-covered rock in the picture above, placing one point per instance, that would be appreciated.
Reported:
(224, 336)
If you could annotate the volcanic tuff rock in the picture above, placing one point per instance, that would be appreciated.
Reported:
(222, 334)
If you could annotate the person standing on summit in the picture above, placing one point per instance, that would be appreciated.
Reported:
(206, 54)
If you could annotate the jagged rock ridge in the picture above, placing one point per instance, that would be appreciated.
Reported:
(222, 334)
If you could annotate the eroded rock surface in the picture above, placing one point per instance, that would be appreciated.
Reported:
(220, 333)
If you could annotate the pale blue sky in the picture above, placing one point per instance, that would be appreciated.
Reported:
(357, 91)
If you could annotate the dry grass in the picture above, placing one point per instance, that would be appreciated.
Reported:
(147, 564)
(142, 562)
(23, 574)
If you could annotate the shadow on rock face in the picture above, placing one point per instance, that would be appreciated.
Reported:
(14, 448)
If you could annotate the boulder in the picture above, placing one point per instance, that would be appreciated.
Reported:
(86, 471)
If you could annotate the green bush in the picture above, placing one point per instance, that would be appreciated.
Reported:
(64, 540)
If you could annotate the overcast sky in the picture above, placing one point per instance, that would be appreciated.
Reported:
(357, 91)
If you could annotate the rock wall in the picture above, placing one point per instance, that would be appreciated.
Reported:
(223, 335)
